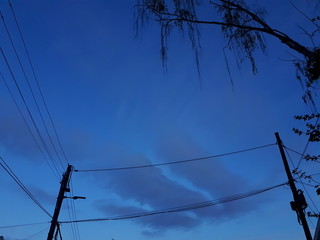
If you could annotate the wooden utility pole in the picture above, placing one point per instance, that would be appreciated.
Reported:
(299, 204)
(63, 188)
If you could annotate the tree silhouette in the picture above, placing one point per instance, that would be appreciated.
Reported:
(243, 29)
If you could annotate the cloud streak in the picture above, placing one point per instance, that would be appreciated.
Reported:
(143, 190)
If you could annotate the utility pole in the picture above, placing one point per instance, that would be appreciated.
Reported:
(63, 188)
(299, 204)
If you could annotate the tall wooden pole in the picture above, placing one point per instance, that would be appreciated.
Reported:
(299, 203)
(63, 188)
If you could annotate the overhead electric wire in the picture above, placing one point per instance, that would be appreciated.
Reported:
(304, 155)
(35, 234)
(308, 184)
(313, 203)
(71, 219)
(71, 210)
(37, 81)
(304, 187)
(315, 174)
(29, 111)
(59, 231)
(313, 225)
(23, 225)
(175, 162)
(290, 149)
(5, 166)
(305, 148)
(25, 121)
(74, 213)
(185, 207)
(311, 175)
(301, 154)
(302, 183)
(30, 88)
(292, 163)
(20, 111)
(313, 179)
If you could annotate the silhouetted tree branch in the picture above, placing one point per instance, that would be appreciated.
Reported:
(242, 27)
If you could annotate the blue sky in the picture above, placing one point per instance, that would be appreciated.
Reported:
(114, 106)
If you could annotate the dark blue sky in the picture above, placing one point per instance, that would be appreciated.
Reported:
(114, 106)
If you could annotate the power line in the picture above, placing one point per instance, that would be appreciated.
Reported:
(294, 151)
(29, 85)
(176, 162)
(292, 163)
(308, 184)
(20, 111)
(302, 183)
(25, 121)
(5, 166)
(74, 213)
(28, 110)
(36, 80)
(317, 182)
(305, 148)
(301, 154)
(58, 232)
(183, 208)
(313, 203)
(71, 219)
(304, 187)
(35, 234)
(23, 225)
(71, 211)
